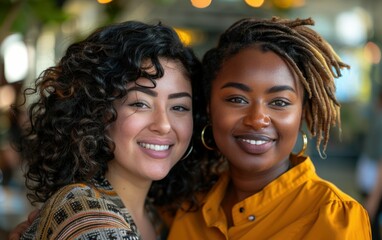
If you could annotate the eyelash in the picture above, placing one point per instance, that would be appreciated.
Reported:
(237, 100)
(141, 105)
(281, 102)
(276, 102)
(138, 105)
(181, 109)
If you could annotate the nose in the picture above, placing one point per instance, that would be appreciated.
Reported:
(160, 122)
(256, 117)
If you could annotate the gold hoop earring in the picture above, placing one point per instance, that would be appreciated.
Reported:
(203, 141)
(188, 153)
(304, 146)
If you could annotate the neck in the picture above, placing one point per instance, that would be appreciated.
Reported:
(244, 184)
(132, 191)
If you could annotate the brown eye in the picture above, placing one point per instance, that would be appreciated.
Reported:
(280, 103)
(138, 105)
(181, 109)
(239, 100)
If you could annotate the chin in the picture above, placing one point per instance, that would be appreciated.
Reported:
(159, 175)
(158, 178)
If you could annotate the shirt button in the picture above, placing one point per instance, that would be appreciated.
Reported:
(251, 218)
(241, 209)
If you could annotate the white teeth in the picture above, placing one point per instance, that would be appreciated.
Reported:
(155, 147)
(254, 142)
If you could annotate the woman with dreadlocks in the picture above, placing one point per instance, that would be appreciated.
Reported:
(262, 81)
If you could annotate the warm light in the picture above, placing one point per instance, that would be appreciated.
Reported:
(254, 3)
(15, 54)
(184, 36)
(201, 3)
(372, 53)
(298, 3)
(190, 36)
(104, 1)
(7, 96)
(283, 3)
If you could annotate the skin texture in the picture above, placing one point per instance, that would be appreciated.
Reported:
(151, 133)
(118, 105)
(160, 116)
(256, 111)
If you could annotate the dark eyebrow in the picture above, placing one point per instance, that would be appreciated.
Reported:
(149, 91)
(179, 95)
(245, 88)
(240, 86)
(281, 88)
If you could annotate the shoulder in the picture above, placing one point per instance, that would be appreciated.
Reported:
(328, 192)
(81, 211)
(338, 209)
(342, 219)
(82, 195)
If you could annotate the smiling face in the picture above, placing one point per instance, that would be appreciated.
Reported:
(154, 126)
(255, 110)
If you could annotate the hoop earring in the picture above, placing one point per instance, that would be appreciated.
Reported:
(203, 141)
(188, 153)
(305, 144)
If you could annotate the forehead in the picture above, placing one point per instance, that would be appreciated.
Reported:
(148, 65)
(174, 76)
(253, 65)
(172, 68)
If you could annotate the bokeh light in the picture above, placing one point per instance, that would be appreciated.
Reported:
(372, 53)
(254, 3)
(15, 55)
(201, 3)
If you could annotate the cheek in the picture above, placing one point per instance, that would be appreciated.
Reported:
(223, 122)
(292, 121)
(189, 129)
(289, 127)
(125, 128)
(184, 127)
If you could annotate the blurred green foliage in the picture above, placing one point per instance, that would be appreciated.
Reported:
(20, 15)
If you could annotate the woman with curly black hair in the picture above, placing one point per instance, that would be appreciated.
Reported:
(112, 118)
(264, 81)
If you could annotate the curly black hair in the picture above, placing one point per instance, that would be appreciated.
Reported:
(66, 140)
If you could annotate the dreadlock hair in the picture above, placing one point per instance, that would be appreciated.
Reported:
(304, 50)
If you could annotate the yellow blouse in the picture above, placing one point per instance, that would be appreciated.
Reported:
(297, 205)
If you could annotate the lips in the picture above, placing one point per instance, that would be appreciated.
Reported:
(255, 144)
(156, 150)
(155, 147)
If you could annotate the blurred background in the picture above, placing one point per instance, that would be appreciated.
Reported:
(34, 34)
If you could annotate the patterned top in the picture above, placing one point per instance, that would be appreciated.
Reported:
(84, 211)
